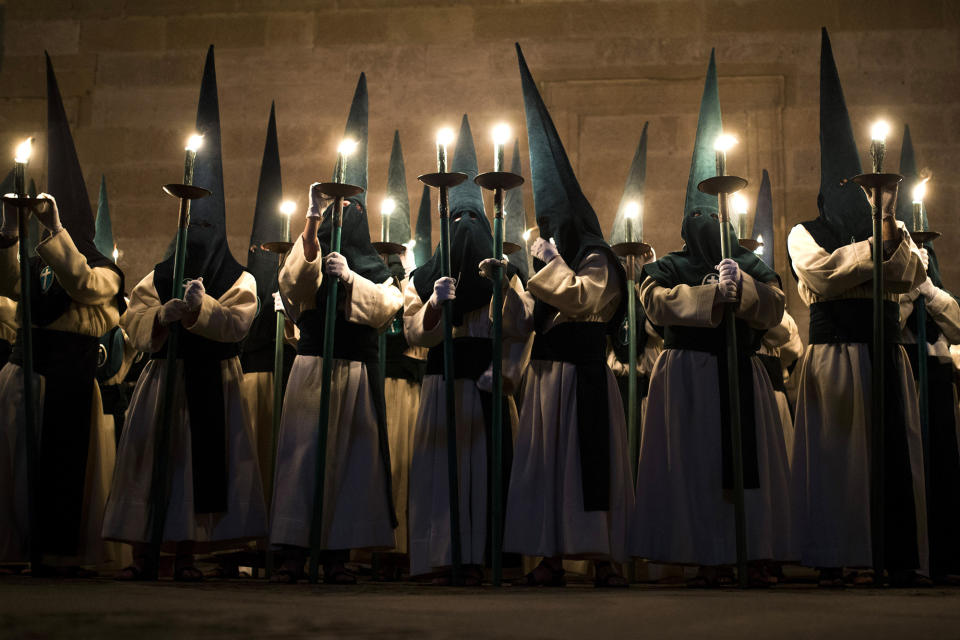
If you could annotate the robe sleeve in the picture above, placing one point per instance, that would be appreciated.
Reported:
(517, 310)
(140, 320)
(8, 319)
(88, 286)
(945, 311)
(372, 304)
(10, 272)
(681, 305)
(761, 305)
(228, 318)
(413, 311)
(792, 349)
(575, 293)
(299, 281)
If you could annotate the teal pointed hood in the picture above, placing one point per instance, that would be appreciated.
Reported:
(397, 189)
(515, 213)
(357, 130)
(633, 191)
(466, 197)
(104, 228)
(703, 164)
(763, 221)
(267, 219)
(908, 169)
(424, 231)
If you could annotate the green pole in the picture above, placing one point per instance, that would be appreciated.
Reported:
(496, 528)
(877, 506)
(316, 527)
(278, 345)
(633, 429)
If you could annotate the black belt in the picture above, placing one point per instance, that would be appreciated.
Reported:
(5, 349)
(851, 321)
(399, 365)
(471, 357)
(584, 344)
(774, 370)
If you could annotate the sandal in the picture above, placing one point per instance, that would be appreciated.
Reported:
(553, 577)
(133, 573)
(287, 576)
(188, 573)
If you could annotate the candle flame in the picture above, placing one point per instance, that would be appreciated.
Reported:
(725, 142)
(739, 204)
(23, 151)
(388, 206)
(526, 234)
(445, 136)
(194, 143)
(880, 130)
(287, 207)
(411, 244)
(760, 238)
(553, 242)
(116, 253)
(920, 191)
(347, 146)
(759, 250)
(501, 133)
(632, 210)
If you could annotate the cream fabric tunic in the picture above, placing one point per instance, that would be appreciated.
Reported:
(356, 513)
(831, 468)
(683, 515)
(545, 514)
(93, 312)
(8, 319)
(783, 342)
(429, 486)
(226, 319)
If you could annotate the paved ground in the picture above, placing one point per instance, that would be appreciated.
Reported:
(245, 608)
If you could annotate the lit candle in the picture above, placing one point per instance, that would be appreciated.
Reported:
(759, 249)
(387, 207)
(721, 145)
(347, 146)
(444, 138)
(631, 213)
(919, 215)
(526, 242)
(501, 135)
(194, 143)
(116, 253)
(287, 207)
(878, 143)
(21, 157)
(740, 210)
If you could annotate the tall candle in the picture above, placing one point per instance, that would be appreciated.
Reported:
(347, 146)
(740, 211)
(878, 143)
(287, 207)
(386, 209)
(632, 216)
(501, 134)
(721, 145)
(919, 215)
(444, 138)
(193, 145)
(21, 157)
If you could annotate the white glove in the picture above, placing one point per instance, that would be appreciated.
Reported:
(9, 228)
(927, 289)
(543, 250)
(888, 200)
(728, 289)
(485, 381)
(924, 258)
(193, 295)
(315, 210)
(335, 265)
(648, 257)
(172, 311)
(46, 211)
(278, 302)
(443, 289)
(487, 269)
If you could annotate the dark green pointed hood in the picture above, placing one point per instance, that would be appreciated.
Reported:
(424, 232)
(104, 234)
(397, 189)
(467, 196)
(843, 207)
(267, 219)
(908, 169)
(763, 221)
(703, 164)
(633, 191)
(357, 130)
(515, 213)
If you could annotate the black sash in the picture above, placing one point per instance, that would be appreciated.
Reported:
(399, 365)
(850, 321)
(774, 371)
(714, 341)
(584, 344)
(68, 363)
(203, 380)
(358, 343)
(5, 349)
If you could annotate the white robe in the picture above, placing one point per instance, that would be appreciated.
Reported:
(356, 512)
(93, 312)
(783, 342)
(430, 547)
(545, 514)
(831, 466)
(127, 518)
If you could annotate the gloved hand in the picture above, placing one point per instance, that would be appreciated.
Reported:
(648, 257)
(888, 200)
(543, 250)
(443, 289)
(927, 289)
(335, 265)
(193, 295)
(172, 311)
(315, 210)
(46, 211)
(488, 266)
(924, 258)
(278, 302)
(728, 289)
(485, 381)
(9, 228)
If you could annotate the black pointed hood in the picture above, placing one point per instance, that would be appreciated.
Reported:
(467, 196)
(267, 219)
(397, 189)
(423, 249)
(515, 213)
(763, 221)
(703, 164)
(208, 255)
(843, 207)
(104, 234)
(911, 177)
(357, 130)
(633, 191)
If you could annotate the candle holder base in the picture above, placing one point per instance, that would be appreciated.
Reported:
(186, 191)
(750, 244)
(439, 180)
(389, 248)
(920, 237)
(718, 185)
(340, 189)
(493, 180)
(877, 180)
(626, 249)
(279, 247)
(510, 248)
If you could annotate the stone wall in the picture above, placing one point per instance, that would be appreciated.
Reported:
(130, 71)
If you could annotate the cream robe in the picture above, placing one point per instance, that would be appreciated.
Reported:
(783, 342)
(683, 515)
(545, 515)
(429, 486)
(355, 506)
(830, 467)
(8, 319)
(93, 312)
(127, 518)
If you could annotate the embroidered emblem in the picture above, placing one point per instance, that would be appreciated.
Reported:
(46, 279)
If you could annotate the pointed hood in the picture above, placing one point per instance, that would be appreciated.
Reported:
(842, 204)
(424, 232)
(633, 191)
(356, 130)
(467, 196)
(763, 221)
(397, 189)
(703, 164)
(104, 234)
(908, 169)
(267, 219)
(208, 255)
(516, 218)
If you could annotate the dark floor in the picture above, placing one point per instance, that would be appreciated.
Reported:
(102, 608)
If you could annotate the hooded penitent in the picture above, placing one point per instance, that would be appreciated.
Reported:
(471, 240)
(695, 264)
(397, 189)
(516, 219)
(911, 177)
(423, 236)
(763, 222)
(633, 191)
(111, 343)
